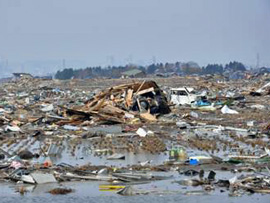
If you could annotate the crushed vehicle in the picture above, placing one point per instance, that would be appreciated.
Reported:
(183, 95)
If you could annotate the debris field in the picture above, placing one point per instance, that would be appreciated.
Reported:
(127, 132)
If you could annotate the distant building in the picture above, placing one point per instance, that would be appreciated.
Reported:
(166, 75)
(22, 75)
(134, 73)
(264, 70)
(47, 77)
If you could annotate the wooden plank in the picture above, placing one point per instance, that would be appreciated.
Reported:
(111, 110)
(129, 97)
(148, 117)
(140, 87)
(98, 105)
(151, 89)
(139, 105)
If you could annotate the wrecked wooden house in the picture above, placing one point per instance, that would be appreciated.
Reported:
(124, 103)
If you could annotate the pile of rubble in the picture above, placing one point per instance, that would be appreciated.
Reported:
(124, 104)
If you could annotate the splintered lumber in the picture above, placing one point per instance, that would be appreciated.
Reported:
(98, 105)
(147, 116)
(139, 105)
(111, 110)
(76, 112)
(151, 89)
(91, 103)
(113, 104)
(129, 97)
(140, 87)
(112, 119)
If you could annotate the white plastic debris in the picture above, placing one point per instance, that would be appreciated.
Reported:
(150, 133)
(226, 110)
(103, 171)
(230, 94)
(233, 180)
(194, 114)
(258, 106)
(182, 124)
(219, 129)
(200, 157)
(12, 128)
(267, 151)
(128, 115)
(144, 163)
(141, 132)
(27, 100)
(71, 127)
(28, 179)
(41, 178)
(47, 108)
(116, 156)
(262, 89)
(250, 123)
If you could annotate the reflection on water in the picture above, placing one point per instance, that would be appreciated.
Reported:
(88, 191)
(85, 155)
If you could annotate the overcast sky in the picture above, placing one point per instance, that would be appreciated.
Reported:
(101, 32)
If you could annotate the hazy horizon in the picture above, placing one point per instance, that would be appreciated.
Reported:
(36, 36)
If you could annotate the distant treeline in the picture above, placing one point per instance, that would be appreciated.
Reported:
(159, 68)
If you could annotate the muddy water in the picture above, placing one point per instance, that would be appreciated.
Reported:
(159, 191)
(84, 155)
(154, 192)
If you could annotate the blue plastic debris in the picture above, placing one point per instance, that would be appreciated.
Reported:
(193, 162)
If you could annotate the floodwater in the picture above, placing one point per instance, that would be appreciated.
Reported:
(153, 192)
